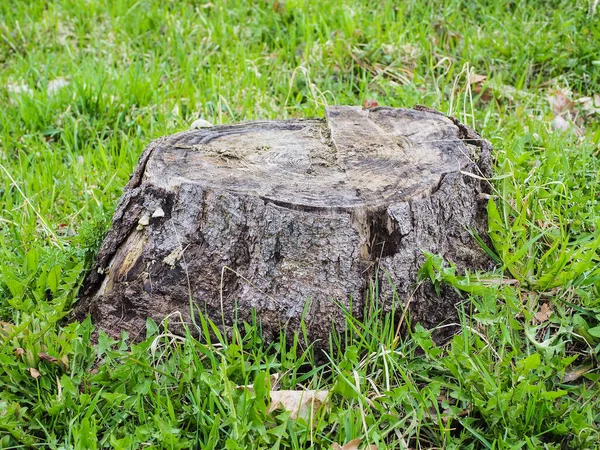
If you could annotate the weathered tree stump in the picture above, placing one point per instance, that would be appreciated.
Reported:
(290, 218)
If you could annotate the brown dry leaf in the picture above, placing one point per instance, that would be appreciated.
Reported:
(65, 361)
(299, 403)
(351, 445)
(560, 102)
(574, 374)
(19, 351)
(46, 357)
(476, 79)
(477, 82)
(368, 104)
(544, 313)
(34, 373)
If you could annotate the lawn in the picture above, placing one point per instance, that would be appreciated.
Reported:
(85, 85)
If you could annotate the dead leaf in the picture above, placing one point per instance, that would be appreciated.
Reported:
(590, 105)
(34, 373)
(58, 389)
(574, 374)
(18, 89)
(476, 79)
(560, 102)
(278, 7)
(299, 403)
(368, 104)
(55, 85)
(65, 361)
(544, 313)
(274, 379)
(46, 357)
(560, 123)
(6, 329)
(477, 84)
(351, 445)
(19, 351)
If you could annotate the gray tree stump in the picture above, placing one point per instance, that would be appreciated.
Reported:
(292, 217)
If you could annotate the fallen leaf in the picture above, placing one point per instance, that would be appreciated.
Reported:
(560, 123)
(560, 102)
(544, 313)
(58, 389)
(279, 7)
(590, 105)
(55, 85)
(46, 357)
(6, 328)
(299, 403)
(477, 83)
(34, 373)
(19, 351)
(574, 374)
(274, 380)
(476, 79)
(368, 104)
(351, 445)
(18, 89)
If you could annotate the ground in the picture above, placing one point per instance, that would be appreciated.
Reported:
(86, 85)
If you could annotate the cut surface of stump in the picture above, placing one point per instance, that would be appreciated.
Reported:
(293, 219)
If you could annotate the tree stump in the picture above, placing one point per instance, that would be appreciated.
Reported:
(292, 218)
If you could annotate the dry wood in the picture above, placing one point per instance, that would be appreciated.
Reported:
(290, 218)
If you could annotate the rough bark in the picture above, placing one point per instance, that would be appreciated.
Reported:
(292, 218)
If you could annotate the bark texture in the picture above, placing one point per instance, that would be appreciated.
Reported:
(292, 218)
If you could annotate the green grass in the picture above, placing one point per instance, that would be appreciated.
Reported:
(139, 70)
